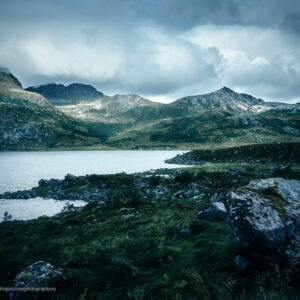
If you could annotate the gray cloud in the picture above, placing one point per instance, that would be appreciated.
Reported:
(163, 49)
(291, 22)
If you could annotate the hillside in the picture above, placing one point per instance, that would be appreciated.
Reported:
(29, 121)
(227, 100)
(141, 236)
(108, 109)
(84, 117)
(280, 153)
(224, 116)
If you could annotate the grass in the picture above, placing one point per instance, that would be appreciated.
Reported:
(146, 257)
(256, 153)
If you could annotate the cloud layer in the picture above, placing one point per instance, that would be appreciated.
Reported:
(159, 49)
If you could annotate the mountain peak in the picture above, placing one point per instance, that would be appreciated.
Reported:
(73, 93)
(4, 71)
(8, 79)
(226, 90)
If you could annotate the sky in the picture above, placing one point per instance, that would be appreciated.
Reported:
(160, 49)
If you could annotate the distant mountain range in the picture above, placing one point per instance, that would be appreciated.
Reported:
(60, 94)
(77, 115)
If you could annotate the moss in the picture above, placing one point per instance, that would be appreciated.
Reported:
(144, 257)
(26, 276)
(275, 198)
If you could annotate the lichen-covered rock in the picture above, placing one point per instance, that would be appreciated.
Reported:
(213, 212)
(39, 275)
(266, 216)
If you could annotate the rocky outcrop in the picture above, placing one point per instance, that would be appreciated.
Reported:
(265, 215)
(183, 159)
(112, 188)
(39, 275)
(213, 212)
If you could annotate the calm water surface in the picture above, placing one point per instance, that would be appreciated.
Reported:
(23, 170)
(33, 208)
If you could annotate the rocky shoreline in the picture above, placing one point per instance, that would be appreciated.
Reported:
(110, 188)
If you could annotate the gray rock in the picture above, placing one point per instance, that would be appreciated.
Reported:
(126, 217)
(216, 197)
(43, 182)
(185, 230)
(266, 216)
(241, 262)
(40, 275)
(70, 177)
(179, 194)
(213, 212)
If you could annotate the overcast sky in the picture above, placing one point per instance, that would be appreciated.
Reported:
(160, 49)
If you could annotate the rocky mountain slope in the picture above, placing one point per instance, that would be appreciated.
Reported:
(11, 91)
(218, 117)
(60, 94)
(224, 99)
(84, 116)
(29, 121)
(108, 109)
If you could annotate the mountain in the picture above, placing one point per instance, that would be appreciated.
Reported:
(221, 117)
(29, 121)
(224, 99)
(11, 91)
(60, 94)
(108, 109)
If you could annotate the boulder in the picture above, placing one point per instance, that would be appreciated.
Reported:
(265, 215)
(213, 212)
(124, 218)
(43, 182)
(185, 230)
(70, 177)
(241, 262)
(39, 275)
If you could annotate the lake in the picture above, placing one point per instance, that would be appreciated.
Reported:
(23, 170)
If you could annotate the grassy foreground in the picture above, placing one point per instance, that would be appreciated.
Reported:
(144, 255)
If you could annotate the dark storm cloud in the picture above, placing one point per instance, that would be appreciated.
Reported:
(159, 48)
(291, 22)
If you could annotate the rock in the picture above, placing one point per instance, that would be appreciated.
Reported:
(266, 216)
(179, 194)
(218, 196)
(213, 212)
(125, 209)
(40, 275)
(241, 262)
(43, 182)
(70, 177)
(185, 230)
(126, 217)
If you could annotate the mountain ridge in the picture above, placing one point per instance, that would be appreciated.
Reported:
(29, 121)
(60, 94)
(131, 121)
